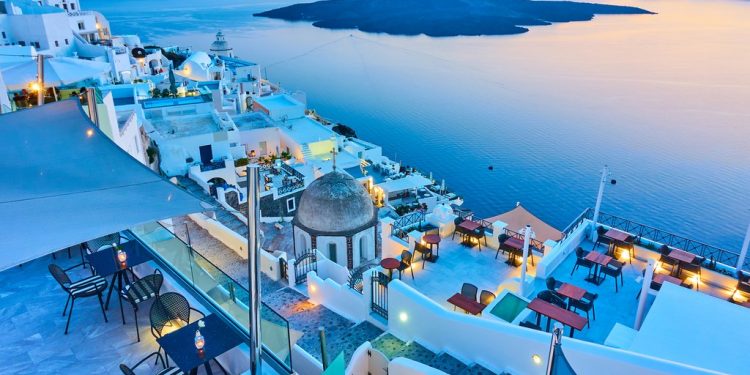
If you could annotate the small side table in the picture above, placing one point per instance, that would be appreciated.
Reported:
(390, 264)
(432, 240)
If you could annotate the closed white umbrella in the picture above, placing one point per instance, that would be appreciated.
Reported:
(58, 71)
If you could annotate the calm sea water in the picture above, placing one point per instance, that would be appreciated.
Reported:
(663, 99)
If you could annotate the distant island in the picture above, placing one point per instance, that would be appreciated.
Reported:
(443, 17)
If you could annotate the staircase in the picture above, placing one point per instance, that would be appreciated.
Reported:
(306, 154)
(222, 215)
(392, 348)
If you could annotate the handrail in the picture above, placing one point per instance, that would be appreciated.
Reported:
(534, 243)
(288, 188)
(642, 231)
(586, 214)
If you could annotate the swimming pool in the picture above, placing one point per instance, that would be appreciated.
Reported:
(508, 307)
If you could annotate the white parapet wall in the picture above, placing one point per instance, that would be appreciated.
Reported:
(504, 347)
(305, 364)
(269, 262)
(405, 366)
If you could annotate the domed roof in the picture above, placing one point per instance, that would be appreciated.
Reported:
(335, 204)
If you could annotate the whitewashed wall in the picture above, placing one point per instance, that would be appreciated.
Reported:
(555, 256)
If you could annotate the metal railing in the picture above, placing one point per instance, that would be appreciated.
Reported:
(292, 172)
(409, 219)
(535, 245)
(356, 278)
(288, 188)
(651, 234)
(228, 297)
(586, 214)
(379, 299)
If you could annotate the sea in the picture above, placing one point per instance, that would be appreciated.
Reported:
(663, 100)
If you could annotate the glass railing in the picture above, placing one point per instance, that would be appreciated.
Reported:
(218, 287)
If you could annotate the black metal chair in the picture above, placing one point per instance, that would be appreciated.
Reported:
(581, 260)
(87, 287)
(553, 298)
(692, 270)
(586, 304)
(614, 269)
(405, 264)
(501, 244)
(601, 239)
(460, 230)
(142, 290)
(470, 291)
(166, 370)
(666, 260)
(486, 297)
(530, 325)
(424, 250)
(167, 308)
(102, 242)
(553, 284)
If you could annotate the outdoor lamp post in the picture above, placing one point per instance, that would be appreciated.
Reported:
(602, 183)
(743, 252)
(527, 235)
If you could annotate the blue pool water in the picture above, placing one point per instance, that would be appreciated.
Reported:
(655, 97)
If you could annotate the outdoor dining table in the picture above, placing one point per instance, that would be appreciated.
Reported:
(467, 304)
(599, 260)
(105, 263)
(179, 345)
(470, 227)
(390, 264)
(682, 256)
(660, 278)
(552, 312)
(618, 236)
(572, 292)
(515, 243)
(432, 240)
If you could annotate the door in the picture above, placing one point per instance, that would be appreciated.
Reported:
(263, 148)
(206, 154)
(378, 363)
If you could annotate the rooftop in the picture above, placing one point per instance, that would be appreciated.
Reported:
(306, 130)
(252, 120)
(185, 126)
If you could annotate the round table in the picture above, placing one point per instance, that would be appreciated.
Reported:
(433, 239)
(390, 264)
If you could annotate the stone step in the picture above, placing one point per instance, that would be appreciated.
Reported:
(349, 340)
(416, 352)
(388, 344)
(448, 364)
(475, 370)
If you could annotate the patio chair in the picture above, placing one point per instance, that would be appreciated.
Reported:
(406, 258)
(666, 260)
(601, 239)
(100, 243)
(614, 269)
(87, 287)
(167, 308)
(424, 250)
(553, 284)
(501, 244)
(743, 283)
(470, 291)
(486, 297)
(165, 370)
(553, 298)
(142, 290)
(586, 304)
(461, 231)
(581, 260)
(692, 270)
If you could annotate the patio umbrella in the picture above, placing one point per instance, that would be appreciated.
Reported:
(58, 71)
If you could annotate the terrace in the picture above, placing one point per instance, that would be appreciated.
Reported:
(473, 262)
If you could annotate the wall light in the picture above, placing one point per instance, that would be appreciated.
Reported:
(89, 132)
(537, 359)
(313, 288)
(403, 317)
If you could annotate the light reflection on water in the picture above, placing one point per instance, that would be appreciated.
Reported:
(663, 99)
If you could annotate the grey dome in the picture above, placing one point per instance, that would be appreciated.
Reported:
(335, 204)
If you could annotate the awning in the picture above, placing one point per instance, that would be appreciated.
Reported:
(58, 71)
(64, 182)
(519, 217)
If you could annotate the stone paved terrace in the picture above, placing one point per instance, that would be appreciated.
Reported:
(31, 304)
(458, 264)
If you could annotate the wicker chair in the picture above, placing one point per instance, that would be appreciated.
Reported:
(501, 244)
(405, 264)
(167, 308)
(600, 239)
(460, 230)
(486, 297)
(142, 290)
(88, 287)
(666, 260)
(691, 269)
(166, 370)
(553, 298)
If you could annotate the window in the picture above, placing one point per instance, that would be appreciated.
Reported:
(57, 44)
(81, 25)
(3, 34)
(290, 205)
(22, 43)
(66, 42)
(332, 252)
(72, 7)
(362, 249)
(36, 44)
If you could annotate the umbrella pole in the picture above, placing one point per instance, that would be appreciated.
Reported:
(40, 78)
